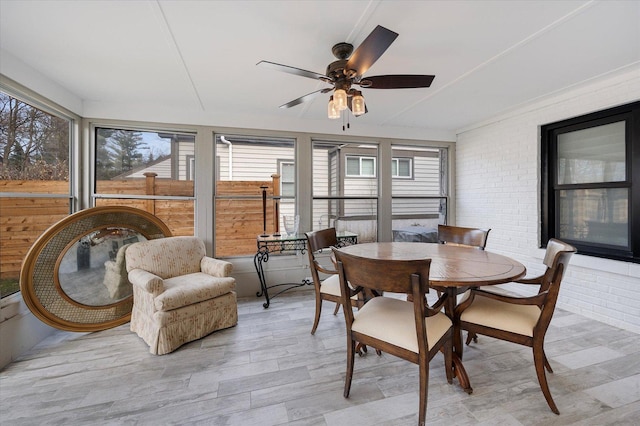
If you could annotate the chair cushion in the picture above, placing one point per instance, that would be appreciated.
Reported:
(331, 285)
(519, 319)
(393, 321)
(192, 288)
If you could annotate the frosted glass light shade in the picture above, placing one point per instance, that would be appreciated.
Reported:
(340, 98)
(332, 111)
(357, 104)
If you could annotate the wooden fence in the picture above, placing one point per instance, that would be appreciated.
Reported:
(238, 221)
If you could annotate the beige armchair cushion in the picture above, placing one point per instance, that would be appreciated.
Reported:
(393, 320)
(192, 288)
(519, 319)
(331, 285)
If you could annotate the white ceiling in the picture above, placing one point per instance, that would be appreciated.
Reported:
(194, 62)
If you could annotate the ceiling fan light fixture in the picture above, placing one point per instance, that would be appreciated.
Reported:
(332, 111)
(340, 99)
(357, 104)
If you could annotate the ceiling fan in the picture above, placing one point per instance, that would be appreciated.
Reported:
(348, 71)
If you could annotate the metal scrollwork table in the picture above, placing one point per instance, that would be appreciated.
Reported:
(286, 244)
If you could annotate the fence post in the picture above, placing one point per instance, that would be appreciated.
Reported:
(150, 189)
(275, 178)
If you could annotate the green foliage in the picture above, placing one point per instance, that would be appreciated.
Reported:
(9, 286)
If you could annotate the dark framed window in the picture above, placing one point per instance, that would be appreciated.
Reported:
(591, 182)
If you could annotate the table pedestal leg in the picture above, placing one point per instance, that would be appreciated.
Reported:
(458, 369)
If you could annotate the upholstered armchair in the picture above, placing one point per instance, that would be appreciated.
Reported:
(115, 275)
(179, 294)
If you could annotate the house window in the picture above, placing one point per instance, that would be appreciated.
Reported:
(591, 172)
(361, 167)
(287, 179)
(35, 159)
(401, 168)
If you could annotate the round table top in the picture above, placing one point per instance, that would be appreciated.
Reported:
(451, 266)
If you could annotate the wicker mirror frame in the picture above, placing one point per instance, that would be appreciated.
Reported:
(39, 282)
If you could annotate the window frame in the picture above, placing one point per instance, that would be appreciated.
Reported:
(360, 158)
(550, 189)
(397, 160)
(72, 195)
(281, 164)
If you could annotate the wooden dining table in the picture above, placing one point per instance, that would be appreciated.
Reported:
(454, 270)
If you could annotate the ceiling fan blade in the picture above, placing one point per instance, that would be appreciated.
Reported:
(398, 81)
(293, 70)
(371, 49)
(306, 97)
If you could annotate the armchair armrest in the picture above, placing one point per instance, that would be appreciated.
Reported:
(324, 270)
(436, 307)
(149, 282)
(216, 267)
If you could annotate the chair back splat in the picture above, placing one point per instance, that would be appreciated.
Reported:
(410, 330)
(472, 237)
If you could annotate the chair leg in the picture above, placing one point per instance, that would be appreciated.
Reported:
(547, 365)
(539, 360)
(351, 352)
(424, 391)
(317, 318)
(335, 312)
(471, 336)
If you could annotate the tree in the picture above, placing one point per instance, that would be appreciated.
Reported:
(118, 152)
(33, 143)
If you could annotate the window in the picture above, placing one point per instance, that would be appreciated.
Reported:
(419, 204)
(287, 179)
(401, 168)
(361, 166)
(591, 172)
(35, 146)
(247, 167)
(349, 205)
(148, 170)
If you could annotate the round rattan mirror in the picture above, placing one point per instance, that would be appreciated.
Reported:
(73, 277)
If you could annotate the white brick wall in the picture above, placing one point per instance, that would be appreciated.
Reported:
(498, 186)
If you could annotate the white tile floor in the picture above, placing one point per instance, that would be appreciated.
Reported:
(269, 370)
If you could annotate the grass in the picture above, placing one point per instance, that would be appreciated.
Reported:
(9, 286)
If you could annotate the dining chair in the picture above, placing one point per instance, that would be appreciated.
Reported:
(466, 237)
(329, 288)
(409, 330)
(472, 237)
(521, 320)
